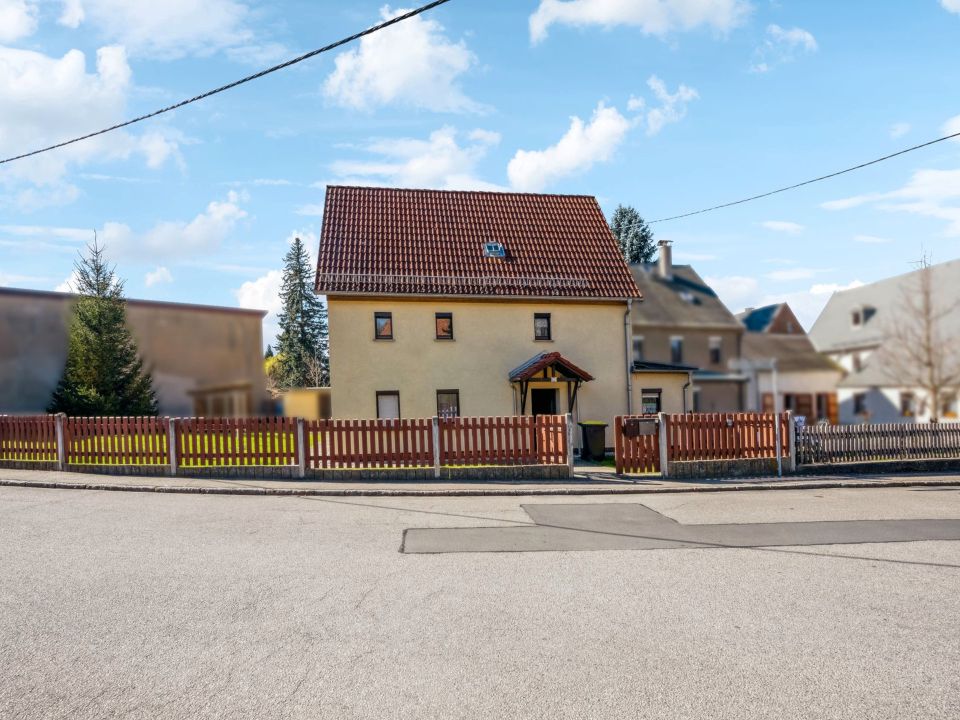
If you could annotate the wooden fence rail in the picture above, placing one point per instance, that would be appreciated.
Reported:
(725, 436)
(116, 440)
(369, 443)
(30, 438)
(817, 444)
(227, 442)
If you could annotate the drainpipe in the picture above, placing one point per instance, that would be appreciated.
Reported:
(627, 340)
(684, 391)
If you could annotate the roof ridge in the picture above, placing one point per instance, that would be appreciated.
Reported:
(462, 192)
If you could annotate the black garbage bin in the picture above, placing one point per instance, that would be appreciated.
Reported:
(594, 443)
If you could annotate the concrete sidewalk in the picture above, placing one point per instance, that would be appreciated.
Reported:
(591, 481)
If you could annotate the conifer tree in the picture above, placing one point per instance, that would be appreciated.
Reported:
(633, 234)
(302, 346)
(104, 374)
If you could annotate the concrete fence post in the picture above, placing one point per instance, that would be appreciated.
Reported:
(569, 430)
(662, 437)
(778, 443)
(172, 446)
(301, 448)
(792, 439)
(61, 443)
(436, 447)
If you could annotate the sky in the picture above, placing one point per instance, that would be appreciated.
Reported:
(666, 105)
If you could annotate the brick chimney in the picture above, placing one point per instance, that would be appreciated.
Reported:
(665, 259)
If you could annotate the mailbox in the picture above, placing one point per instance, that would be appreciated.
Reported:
(635, 427)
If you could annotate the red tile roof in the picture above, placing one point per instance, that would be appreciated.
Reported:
(544, 360)
(431, 242)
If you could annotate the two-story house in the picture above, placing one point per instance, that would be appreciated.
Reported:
(858, 329)
(475, 303)
(682, 323)
(784, 369)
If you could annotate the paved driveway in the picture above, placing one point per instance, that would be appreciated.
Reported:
(173, 606)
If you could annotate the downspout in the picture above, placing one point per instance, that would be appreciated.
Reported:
(684, 391)
(627, 341)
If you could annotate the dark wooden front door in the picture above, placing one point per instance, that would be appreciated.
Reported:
(543, 401)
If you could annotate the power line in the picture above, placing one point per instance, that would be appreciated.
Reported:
(241, 81)
(809, 182)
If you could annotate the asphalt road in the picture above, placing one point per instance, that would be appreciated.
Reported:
(188, 606)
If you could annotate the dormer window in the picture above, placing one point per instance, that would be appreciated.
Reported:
(856, 318)
(494, 250)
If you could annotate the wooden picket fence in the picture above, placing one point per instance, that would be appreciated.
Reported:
(116, 440)
(369, 443)
(462, 441)
(227, 442)
(637, 443)
(28, 438)
(725, 436)
(817, 444)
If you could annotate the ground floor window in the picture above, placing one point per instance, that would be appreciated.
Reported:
(448, 403)
(650, 401)
(908, 404)
(388, 404)
(948, 401)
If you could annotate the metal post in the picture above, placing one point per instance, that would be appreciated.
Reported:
(61, 446)
(662, 437)
(172, 446)
(570, 442)
(436, 447)
(792, 438)
(301, 448)
(776, 415)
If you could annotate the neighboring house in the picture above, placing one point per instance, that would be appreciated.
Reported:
(475, 303)
(681, 323)
(204, 360)
(806, 381)
(853, 330)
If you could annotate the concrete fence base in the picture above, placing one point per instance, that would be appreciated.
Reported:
(705, 469)
(883, 467)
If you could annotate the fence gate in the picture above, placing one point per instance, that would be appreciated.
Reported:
(637, 443)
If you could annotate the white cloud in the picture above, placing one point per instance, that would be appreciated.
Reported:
(672, 107)
(734, 290)
(952, 126)
(168, 29)
(929, 193)
(871, 239)
(72, 14)
(18, 19)
(158, 276)
(263, 294)
(412, 63)
(781, 46)
(898, 130)
(583, 145)
(441, 161)
(310, 210)
(951, 5)
(69, 284)
(43, 97)
(653, 17)
(205, 233)
(783, 226)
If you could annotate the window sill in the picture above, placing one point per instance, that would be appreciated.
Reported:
(444, 339)
(550, 340)
(389, 339)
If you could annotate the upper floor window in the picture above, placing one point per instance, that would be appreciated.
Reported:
(676, 349)
(856, 318)
(541, 326)
(638, 348)
(716, 350)
(860, 404)
(444, 324)
(383, 326)
(857, 362)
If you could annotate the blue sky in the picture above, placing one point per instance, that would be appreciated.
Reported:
(667, 105)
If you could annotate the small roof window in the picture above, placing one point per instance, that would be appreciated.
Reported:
(494, 250)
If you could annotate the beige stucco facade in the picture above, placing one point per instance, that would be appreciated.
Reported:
(203, 359)
(491, 338)
(671, 387)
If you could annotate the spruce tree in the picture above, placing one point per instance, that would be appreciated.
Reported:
(268, 353)
(302, 346)
(633, 235)
(104, 374)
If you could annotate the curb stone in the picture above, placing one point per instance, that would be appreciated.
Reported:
(474, 492)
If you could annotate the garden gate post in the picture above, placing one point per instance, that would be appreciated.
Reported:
(792, 434)
(172, 445)
(436, 447)
(662, 437)
(301, 448)
(569, 431)
(61, 446)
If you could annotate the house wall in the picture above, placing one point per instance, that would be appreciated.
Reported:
(671, 385)
(785, 323)
(696, 344)
(813, 382)
(718, 396)
(491, 339)
(186, 348)
(883, 406)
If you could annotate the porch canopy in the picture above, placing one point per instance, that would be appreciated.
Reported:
(549, 367)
